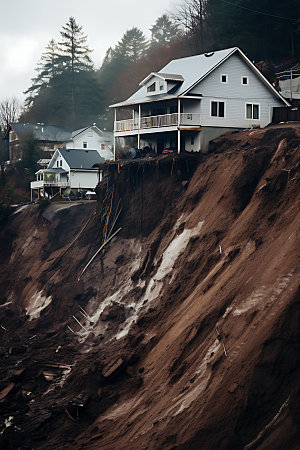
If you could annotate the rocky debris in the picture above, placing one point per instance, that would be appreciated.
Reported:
(115, 312)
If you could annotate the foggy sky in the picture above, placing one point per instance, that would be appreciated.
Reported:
(26, 27)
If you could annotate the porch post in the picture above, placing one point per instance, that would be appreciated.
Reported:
(139, 139)
(178, 132)
(115, 134)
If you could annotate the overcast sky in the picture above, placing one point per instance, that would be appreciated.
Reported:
(26, 26)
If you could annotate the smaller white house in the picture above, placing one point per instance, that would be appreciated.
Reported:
(69, 170)
(92, 138)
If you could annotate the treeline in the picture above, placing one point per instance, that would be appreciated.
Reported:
(68, 90)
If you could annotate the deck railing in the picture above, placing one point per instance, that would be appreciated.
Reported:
(42, 183)
(163, 120)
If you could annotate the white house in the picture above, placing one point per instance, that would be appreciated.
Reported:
(193, 100)
(69, 170)
(92, 138)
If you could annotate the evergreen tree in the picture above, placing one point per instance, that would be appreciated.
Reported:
(73, 47)
(132, 46)
(75, 53)
(65, 91)
(49, 66)
(163, 31)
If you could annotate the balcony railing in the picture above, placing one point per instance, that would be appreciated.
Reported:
(42, 183)
(164, 120)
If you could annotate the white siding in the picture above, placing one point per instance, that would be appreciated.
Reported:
(90, 136)
(235, 95)
(84, 180)
(94, 142)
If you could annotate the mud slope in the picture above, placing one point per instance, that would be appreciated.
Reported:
(190, 317)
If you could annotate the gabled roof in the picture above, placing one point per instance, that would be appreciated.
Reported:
(81, 130)
(163, 76)
(41, 132)
(79, 158)
(193, 69)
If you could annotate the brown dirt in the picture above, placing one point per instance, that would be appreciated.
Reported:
(192, 311)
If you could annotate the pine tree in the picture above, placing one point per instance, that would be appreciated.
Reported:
(163, 31)
(49, 66)
(132, 46)
(75, 53)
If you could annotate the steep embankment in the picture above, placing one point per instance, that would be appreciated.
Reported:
(191, 338)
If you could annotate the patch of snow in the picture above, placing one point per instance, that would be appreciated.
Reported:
(37, 303)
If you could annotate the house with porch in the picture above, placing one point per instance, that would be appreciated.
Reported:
(193, 100)
(70, 170)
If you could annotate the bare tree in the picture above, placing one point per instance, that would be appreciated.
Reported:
(10, 110)
(191, 16)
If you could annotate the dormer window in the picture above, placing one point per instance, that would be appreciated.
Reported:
(224, 78)
(151, 87)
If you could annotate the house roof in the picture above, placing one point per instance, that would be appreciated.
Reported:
(53, 170)
(79, 158)
(164, 76)
(81, 130)
(41, 132)
(192, 69)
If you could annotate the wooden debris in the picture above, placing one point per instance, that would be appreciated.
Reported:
(98, 251)
(112, 369)
(80, 323)
(71, 329)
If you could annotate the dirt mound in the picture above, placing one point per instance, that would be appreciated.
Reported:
(183, 331)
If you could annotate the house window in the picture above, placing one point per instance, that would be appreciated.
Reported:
(252, 111)
(224, 78)
(245, 80)
(102, 146)
(151, 88)
(84, 144)
(61, 163)
(57, 163)
(192, 140)
(218, 109)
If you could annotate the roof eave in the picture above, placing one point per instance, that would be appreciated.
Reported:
(139, 101)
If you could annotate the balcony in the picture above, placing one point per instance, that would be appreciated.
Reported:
(42, 183)
(160, 121)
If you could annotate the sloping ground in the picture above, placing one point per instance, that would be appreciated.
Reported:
(192, 312)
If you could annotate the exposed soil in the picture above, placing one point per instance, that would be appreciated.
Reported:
(189, 333)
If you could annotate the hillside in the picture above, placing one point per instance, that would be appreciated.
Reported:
(191, 313)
